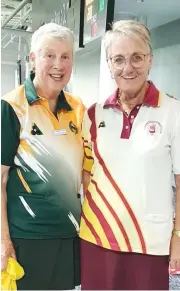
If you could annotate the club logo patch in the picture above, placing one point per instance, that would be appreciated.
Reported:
(35, 130)
(153, 127)
(102, 124)
(73, 127)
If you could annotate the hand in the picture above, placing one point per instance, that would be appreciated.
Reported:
(175, 252)
(7, 250)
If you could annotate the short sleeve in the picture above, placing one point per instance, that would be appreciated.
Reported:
(175, 146)
(88, 159)
(10, 130)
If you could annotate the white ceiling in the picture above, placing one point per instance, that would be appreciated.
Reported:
(158, 12)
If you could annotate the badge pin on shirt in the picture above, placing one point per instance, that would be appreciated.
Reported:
(60, 132)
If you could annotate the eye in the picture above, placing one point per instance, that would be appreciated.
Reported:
(50, 56)
(137, 58)
(65, 57)
(119, 60)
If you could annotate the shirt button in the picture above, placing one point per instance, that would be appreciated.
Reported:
(126, 127)
(132, 116)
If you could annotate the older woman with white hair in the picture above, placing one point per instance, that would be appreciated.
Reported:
(41, 160)
(132, 145)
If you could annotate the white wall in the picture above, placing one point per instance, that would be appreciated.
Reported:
(107, 85)
(7, 78)
(165, 72)
(9, 57)
(85, 81)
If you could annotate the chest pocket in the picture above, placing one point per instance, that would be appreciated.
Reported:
(149, 137)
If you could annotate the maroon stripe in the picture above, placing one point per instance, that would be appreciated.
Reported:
(93, 131)
(91, 228)
(114, 215)
(105, 225)
(126, 132)
(151, 96)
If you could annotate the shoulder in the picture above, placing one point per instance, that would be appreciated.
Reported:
(171, 103)
(15, 95)
(95, 108)
(77, 106)
(16, 99)
(74, 101)
(171, 108)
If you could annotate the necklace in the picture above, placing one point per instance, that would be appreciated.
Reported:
(121, 105)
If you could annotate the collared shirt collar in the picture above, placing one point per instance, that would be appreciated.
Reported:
(32, 96)
(152, 97)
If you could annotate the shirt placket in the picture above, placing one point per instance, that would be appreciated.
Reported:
(128, 121)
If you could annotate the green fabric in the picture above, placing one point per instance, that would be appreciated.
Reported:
(10, 129)
(52, 264)
(49, 172)
(33, 97)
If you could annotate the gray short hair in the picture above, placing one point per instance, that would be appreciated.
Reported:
(127, 28)
(51, 30)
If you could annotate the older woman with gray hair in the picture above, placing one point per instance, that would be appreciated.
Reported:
(41, 160)
(132, 145)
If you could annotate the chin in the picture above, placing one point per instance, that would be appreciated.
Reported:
(57, 87)
(128, 89)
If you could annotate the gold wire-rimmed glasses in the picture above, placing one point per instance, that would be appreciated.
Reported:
(137, 60)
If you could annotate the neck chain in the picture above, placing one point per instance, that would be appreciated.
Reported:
(120, 104)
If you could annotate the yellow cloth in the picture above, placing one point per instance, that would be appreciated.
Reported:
(9, 276)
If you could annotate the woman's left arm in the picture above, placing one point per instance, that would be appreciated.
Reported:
(175, 241)
(175, 154)
(177, 218)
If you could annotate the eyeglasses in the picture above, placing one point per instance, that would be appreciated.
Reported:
(136, 61)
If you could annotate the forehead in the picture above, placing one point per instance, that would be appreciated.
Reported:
(55, 44)
(126, 45)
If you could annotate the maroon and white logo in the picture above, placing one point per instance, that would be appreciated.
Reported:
(153, 127)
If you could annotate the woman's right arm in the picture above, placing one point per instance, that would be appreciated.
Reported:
(7, 249)
(10, 129)
(88, 159)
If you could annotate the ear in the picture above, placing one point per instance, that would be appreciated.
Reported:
(32, 58)
(150, 61)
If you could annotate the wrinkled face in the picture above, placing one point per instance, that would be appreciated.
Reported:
(53, 64)
(130, 61)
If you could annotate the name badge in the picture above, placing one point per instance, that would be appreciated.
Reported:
(60, 132)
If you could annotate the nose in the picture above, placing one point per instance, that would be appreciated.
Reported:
(58, 64)
(128, 68)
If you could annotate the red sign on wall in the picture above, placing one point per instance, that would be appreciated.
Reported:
(94, 29)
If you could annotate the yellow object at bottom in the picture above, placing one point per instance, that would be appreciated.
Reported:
(9, 276)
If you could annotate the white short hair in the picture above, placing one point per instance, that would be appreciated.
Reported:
(130, 28)
(51, 30)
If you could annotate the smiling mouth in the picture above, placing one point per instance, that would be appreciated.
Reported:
(129, 78)
(56, 77)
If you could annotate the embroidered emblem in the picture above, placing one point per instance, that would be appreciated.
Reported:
(73, 127)
(35, 130)
(102, 124)
(153, 127)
